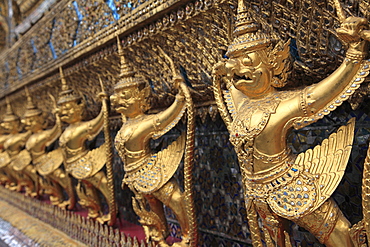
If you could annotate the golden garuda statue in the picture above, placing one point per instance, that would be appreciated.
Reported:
(278, 185)
(18, 156)
(150, 174)
(11, 127)
(83, 164)
(25, 172)
(3, 177)
(48, 165)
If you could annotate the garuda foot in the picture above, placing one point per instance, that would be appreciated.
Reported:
(184, 243)
(56, 201)
(162, 243)
(103, 219)
(34, 194)
(31, 193)
(64, 204)
(12, 187)
(180, 244)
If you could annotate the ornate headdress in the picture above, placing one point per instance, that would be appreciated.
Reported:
(247, 37)
(67, 94)
(32, 110)
(9, 115)
(127, 74)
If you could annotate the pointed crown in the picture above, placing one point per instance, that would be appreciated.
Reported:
(127, 76)
(247, 37)
(67, 94)
(32, 110)
(9, 115)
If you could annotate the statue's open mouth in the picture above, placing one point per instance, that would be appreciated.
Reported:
(121, 107)
(242, 79)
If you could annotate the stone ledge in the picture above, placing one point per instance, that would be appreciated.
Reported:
(40, 232)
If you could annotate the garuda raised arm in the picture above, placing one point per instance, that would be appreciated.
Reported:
(12, 145)
(18, 156)
(48, 165)
(83, 164)
(279, 185)
(4, 158)
(150, 174)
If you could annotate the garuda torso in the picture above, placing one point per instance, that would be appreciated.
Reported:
(293, 186)
(13, 145)
(79, 161)
(4, 156)
(45, 163)
(3, 138)
(150, 171)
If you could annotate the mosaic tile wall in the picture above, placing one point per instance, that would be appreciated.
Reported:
(219, 200)
(218, 190)
(348, 193)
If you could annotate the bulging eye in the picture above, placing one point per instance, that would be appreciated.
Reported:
(247, 61)
(126, 95)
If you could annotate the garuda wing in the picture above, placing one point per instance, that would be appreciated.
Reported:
(317, 173)
(49, 162)
(4, 159)
(87, 165)
(154, 171)
(21, 160)
(328, 161)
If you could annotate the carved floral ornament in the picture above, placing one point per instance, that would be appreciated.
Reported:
(22, 66)
(101, 59)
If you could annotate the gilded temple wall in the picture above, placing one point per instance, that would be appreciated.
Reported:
(80, 36)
